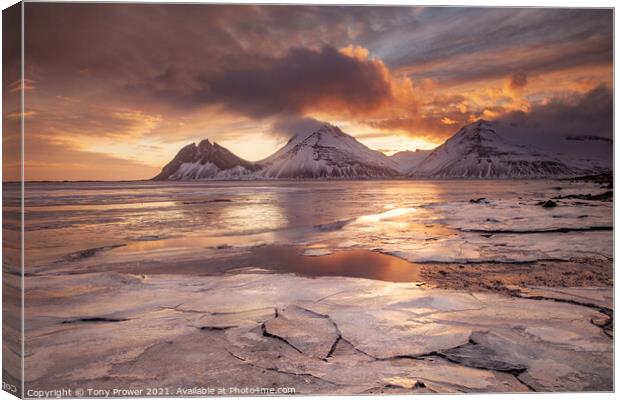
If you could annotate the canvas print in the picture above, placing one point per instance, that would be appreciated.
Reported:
(219, 199)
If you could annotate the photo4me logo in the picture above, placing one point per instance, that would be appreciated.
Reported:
(234, 391)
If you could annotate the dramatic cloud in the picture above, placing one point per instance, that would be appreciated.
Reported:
(589, 114)
(579, 125)
(472, 44)
(300, 81)
(290, 126)
(517, 80)
(133, 82)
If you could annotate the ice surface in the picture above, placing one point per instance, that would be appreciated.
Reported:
(317, 252)
(326, 335)
(201, 295)
(419, 221)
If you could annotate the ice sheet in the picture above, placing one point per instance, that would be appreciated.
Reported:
(421, 221)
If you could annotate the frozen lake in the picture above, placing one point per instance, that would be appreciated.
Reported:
(467, 286)
(168, 227)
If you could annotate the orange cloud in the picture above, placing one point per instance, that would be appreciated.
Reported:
(144, 92)
(448, 121)
(358, 52)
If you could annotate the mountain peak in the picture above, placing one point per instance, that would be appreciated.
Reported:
(327, 152)
(482, 122)
(205, 161)
(478, 125)
(478, 151)
(329, 128)
(325, 135)
(326, 129)
(476, 132)
(204, 143)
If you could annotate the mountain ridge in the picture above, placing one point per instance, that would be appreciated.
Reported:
(205, 161)
(476, 151)
(407, 159)
(326, 153)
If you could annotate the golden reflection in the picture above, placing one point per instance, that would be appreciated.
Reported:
(394, 213)
(257, 214)
(352, 263)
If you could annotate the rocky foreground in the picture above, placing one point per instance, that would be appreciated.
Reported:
(334, 335)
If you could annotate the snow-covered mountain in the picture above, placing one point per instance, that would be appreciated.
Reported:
(327, 153)
(206, 161)
(478, 151)
(408, 159)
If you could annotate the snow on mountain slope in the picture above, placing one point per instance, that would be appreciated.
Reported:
(327, 153)
(475, 151)
(408, 159)
(478, 151)
(206, 161)
(589, 152)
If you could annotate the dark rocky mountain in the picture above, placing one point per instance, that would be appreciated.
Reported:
(206, 161)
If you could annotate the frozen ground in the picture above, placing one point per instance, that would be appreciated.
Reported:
(321, 335)
(330, 287)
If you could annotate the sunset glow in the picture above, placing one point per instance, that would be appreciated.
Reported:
(141, 81)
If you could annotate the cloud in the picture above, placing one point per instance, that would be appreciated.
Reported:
(60, 120)
(546, 123)
(458, 45)
(432, 116)
(590, 113)
(517, 80)
(11, 46)
(300, 81)
(552, 124)
(289, 126)
(50, 161)
(135, 42)
(448, 121)
(161, 74)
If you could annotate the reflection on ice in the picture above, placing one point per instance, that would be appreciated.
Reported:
(352, 263)
(393, 213)
(416, 220)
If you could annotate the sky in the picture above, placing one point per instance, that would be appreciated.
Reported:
(113, 91)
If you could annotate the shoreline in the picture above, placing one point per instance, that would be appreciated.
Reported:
(604, 177)
(497, 277)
